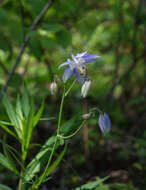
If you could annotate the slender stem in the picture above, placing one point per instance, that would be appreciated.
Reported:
(96, 109)
(69, 136)
(70, 87)
(21, 174)
(60, 112)
(44, 175)
(20, 181)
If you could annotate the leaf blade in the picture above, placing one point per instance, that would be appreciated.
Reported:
(4, 187)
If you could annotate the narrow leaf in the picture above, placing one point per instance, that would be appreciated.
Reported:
(6, 123)
(25, 103)
(8, 131)
(56, 162)
(12, 115)
(4, 187)
(38, 115)
(4, 162)
(28, 128)
(8, 156)
(47, 119)
(91, 185)
(39, 160)
(19, 108)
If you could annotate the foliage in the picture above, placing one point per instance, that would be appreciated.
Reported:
(113, 29)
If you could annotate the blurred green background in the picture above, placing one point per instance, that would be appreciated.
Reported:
(113, 29)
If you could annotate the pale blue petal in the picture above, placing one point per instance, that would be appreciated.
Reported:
(67, 74)
(90, 57)
(68, 62)
(107, 120)
(80, 78)
(104, 123)
(81, 54)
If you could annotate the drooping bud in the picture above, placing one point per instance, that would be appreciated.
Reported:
(85, 88)
(104, 123)
(86, 116)
(53, 88)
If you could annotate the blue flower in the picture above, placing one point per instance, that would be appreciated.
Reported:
(104, 123)
(76, 66)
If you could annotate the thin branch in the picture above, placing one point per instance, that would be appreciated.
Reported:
(26, 40)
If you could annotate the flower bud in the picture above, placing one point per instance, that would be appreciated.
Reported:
(85, 88)
(86, 116)
(104, 123)
(53, 88)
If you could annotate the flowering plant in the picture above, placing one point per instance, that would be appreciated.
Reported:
(23, 121)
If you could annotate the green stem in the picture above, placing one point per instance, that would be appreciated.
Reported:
(20, 186)
(43, 176)
(69, 136)
(70, 88)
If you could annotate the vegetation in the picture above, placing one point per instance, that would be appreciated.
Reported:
(38, 109)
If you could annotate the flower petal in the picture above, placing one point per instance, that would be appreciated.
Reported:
(90, 57)
(81, 54)
(80, 78)
(67, 74)
(68, 62)
(104, 123)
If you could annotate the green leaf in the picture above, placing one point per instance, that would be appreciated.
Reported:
(25, 103)
(8, 156)
(8, 130)
(47, 118)
(5, 162)
(4, 187)
(19, 108)
(12, 115)
(6, 123)
(39, 160)
(92, 185)
(38, 115)
(56, 162)
(28, 128)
